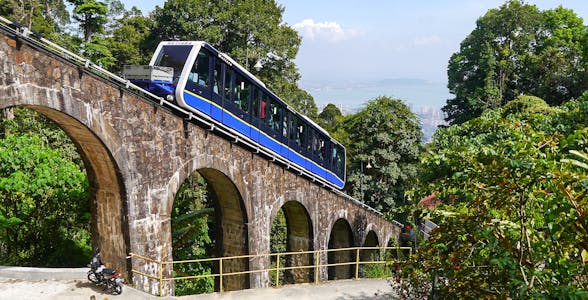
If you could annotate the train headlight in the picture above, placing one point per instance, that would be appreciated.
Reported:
(170, 98)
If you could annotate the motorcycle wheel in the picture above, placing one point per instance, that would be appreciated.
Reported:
(117, 290)
(92, 277)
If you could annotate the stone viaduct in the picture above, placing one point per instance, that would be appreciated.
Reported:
(137, 154)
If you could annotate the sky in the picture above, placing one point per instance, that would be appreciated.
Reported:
(355, 50)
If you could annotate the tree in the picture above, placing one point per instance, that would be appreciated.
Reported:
(248, 31)
(192, 217)
(45, 17)
(129, 38)
(44, 198)
(330, 117)
(517, 49)
(387, 135)
(92, 16)
(514, 223)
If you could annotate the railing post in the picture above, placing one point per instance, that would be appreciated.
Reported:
(278, 270)
(220, 267)
(316, 266)
(357, 264)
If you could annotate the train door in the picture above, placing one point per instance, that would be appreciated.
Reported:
(216, 108)
(271, 124)
(284, 150)
(256, 113)
(236, 113)
(297, 140)
(199, 82)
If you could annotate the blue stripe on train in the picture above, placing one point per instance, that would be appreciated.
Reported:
(254, 134)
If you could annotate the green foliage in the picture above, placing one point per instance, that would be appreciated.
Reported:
(517, 49)
(92, 16)
(192, 218)
(44, 17)
(515, 221)
(128, 41)
(528, 105)
(279, 233)
(330, 118)
(44, 202)
(278, 243)
(387, 135)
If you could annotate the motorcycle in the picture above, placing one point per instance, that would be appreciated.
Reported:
(98, 274)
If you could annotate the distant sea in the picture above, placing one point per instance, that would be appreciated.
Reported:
(423, 97)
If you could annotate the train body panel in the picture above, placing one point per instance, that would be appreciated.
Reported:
(210, 83)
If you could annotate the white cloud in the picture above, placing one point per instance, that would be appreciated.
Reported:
(325, 31)
(427, 40)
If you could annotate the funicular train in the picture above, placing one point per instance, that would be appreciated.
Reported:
(206, 81)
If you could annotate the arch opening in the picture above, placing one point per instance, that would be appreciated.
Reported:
(209, 220)
(341, 237)
(371, 240)
(292, 232)
(100, 204)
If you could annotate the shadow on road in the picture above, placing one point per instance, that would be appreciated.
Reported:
(366, 296)
(96, 288)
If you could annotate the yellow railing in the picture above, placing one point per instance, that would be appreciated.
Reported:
(384, 256)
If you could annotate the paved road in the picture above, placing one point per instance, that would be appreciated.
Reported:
(73, 285)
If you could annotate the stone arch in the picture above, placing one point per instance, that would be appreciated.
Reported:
(231, 226)
(371, 240)
(341, 237)
(110, 227)
(300, 237)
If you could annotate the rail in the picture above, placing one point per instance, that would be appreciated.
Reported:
(384, 256)
(37, 41)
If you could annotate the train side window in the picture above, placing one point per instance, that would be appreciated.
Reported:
(216, 88)
(298, 134)
(333, 156)
(255, 104)
(264, 106)
(321, 148)
(199, 73)
(285, 124)
(302, 128)
(311, 141)
(339, 160)
(242, 92)
(315, 144)
(228, 83)
(293, 129)
(274, 116)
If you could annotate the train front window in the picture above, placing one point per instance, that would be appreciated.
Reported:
(200, 70)
(173, 56)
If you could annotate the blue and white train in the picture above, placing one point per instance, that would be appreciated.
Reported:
(206, 81)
